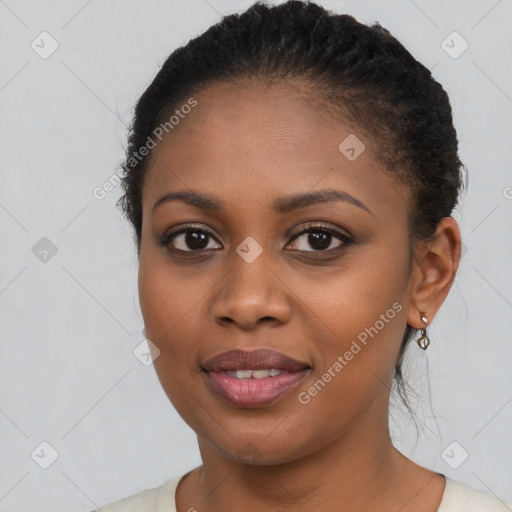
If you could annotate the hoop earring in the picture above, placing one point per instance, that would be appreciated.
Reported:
(423, 342)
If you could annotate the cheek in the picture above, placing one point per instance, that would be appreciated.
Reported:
(356, 329)
(354, 297)
(166, 302)
(169, 309)
(359, 313)
(167, 295)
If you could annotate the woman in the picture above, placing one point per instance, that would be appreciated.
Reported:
(290, 178)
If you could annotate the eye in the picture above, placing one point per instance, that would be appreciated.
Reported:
(188, 239)
(322, 238)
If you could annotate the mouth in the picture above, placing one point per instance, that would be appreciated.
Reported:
(253, 379)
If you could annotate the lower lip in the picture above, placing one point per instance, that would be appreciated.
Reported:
(253, 392)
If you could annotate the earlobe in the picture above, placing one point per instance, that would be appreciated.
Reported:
(435, 269)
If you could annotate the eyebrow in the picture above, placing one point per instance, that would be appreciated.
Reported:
(281, 205)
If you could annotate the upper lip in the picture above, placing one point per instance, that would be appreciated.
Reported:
(255, 360)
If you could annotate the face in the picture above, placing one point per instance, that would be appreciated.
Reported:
(326, 283)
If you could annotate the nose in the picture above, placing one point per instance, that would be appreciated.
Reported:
(251, 294)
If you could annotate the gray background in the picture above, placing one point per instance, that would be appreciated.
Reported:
(69, 324)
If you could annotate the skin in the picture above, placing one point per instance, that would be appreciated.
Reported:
(248, 144)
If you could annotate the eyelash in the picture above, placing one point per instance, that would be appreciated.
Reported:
(165, 240)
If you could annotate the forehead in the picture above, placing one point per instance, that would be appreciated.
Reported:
(258, 140)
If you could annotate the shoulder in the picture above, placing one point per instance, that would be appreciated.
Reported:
(459, 497)
(157, 499)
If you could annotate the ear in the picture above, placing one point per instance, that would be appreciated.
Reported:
(434, 267)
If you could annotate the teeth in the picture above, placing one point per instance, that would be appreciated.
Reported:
(243, 374)
(259, 374)
(255, 374)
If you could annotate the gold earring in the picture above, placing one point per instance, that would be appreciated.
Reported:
(423, 342)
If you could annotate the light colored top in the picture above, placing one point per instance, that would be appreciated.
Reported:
(457, 497)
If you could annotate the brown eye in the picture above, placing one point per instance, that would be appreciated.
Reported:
(190, 239)
(320, 239)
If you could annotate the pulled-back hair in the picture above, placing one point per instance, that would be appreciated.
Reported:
(360, 73)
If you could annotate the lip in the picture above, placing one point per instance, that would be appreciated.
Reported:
(249, 393)
(255, 360)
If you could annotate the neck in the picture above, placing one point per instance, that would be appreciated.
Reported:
(359, 469)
